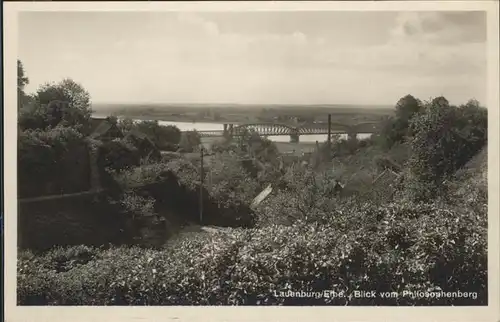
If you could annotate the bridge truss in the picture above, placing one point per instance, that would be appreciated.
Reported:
(276, 129)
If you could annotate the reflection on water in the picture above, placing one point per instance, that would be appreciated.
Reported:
(188, 126)
(313, 138)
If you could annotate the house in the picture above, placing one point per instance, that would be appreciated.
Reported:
(95, 122)
(144, 144)
(104, 129)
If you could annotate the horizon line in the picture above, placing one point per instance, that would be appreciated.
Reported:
(245, 104)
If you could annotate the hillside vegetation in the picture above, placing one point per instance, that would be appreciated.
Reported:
(385, 214)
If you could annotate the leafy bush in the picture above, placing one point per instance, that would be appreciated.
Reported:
(141, 175)
(185, 172)
(33, 116)
(396, 128)
(400, 247)
(303, 195)
(189, 141)
(249, 144)
(342, 147)
(145, 225)
(65, 103)
(52, 161)
(62, 259)
(224, 145)
(138, 206)
(229, 183)
(444, 139)
(118, 155)
(175, 188)
(163, 137)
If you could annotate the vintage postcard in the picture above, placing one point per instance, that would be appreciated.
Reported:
(251, 161)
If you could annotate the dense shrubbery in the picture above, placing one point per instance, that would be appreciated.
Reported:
(229, 183)
(118, 155)
(311, 233)
(52, 161)
(396, 128)
(173, 188)
(165, 138)
(395, 248)
(53, 155)
(189, 141)
(444, 139)
(65, 103)
(261, 157)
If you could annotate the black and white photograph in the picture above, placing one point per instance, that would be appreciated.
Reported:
(253, 157)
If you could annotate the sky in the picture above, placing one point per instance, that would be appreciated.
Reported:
(308, 57)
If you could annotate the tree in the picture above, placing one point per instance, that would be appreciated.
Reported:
(230, 182)
(170, 134)
(444, 139)
(126, 125)
(395, 129)
(224, 145)
(66, 103)
(264, 150)
(51, 161)
(117, 155)
(149, 127)
(189, 141)
(440, 102)
(23, 99)
(407, 106)
(112, 120)
(22, 81)
(164, 137)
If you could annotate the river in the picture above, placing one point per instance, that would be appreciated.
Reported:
(202, 126)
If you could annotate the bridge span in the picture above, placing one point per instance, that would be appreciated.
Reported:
(277, 129)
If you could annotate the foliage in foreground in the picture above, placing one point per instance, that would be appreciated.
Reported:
(444, 139)
(412, 247)
(64, 103)
(52, 161)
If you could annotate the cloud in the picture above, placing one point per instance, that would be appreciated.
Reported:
(441, 28)
(183, 56)
(420, 42)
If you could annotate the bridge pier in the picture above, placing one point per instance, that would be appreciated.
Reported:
(352, 135)
(228, 130)
(294, 137)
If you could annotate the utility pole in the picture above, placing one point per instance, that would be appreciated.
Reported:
(329, 136)
(201, 183)
(329, 129)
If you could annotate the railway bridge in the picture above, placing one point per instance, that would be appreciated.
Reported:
(276, 129)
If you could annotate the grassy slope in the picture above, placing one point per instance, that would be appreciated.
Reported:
(473, 177)
(362, 163)
(477, 166)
